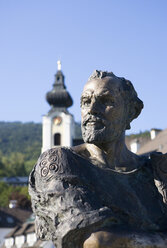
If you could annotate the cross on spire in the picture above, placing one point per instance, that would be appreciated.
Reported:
(59, 65)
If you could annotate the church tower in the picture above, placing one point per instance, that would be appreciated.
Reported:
(58, 124)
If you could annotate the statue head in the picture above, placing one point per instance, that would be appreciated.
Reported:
(108, 105)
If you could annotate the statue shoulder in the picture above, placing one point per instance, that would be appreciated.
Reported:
(54, 153)
(82, 150)
(159, 165)
(61, 191)
(52, 163)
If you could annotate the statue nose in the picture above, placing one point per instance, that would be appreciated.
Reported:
(94, 107)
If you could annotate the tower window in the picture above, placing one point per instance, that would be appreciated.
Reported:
(57, 139)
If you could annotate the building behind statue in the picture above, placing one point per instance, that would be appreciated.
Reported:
(58, 129)
(58, 125)
(155, 142)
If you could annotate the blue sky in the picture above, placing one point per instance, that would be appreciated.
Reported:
(124, 36)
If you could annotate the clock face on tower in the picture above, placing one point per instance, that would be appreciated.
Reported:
(57, 120)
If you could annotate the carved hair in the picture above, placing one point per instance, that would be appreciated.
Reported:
(133, 103)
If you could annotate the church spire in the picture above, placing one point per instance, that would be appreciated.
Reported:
(59, 97)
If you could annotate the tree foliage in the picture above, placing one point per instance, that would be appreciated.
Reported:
(20, 146)
(19, 193)
(21, 137)
(145, 135)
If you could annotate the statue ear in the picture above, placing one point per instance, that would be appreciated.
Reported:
(135, 108)
(130, 115)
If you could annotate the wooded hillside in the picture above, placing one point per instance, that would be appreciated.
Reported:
(20, 146)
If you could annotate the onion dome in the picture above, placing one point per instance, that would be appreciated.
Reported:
(59, 96)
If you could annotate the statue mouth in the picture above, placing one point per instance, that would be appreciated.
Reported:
(95, 125)
(93, 122)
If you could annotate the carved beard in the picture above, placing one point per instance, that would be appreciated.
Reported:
(95, 129)
(90, 135)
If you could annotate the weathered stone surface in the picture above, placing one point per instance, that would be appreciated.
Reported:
(99, 194)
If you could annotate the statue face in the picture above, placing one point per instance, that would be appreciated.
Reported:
(103, 110)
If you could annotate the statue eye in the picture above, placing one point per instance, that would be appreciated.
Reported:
(85, 101)
(108, 101)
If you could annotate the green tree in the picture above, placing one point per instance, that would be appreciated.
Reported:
(19, 193)
(14, 165)
(5, 192)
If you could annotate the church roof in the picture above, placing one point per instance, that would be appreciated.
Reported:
(59, 96)
(10, 217)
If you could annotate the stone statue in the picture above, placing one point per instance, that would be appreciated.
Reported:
(99, 194)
